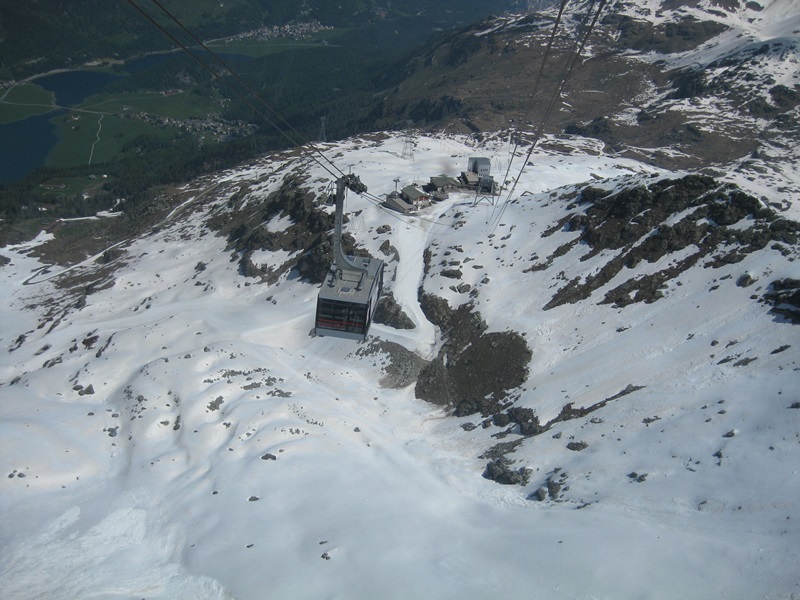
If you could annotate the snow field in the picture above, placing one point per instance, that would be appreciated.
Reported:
(292, 473)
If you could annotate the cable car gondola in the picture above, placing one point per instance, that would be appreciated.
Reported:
(349, 295)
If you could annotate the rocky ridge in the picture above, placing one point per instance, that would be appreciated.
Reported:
(719, 222)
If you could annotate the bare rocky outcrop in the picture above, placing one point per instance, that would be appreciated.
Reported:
(502, 472)
(403, 366)
(307, 238)
(634, 223)
(784, 297)
(389, 312)
(474, 371)
(730, 94)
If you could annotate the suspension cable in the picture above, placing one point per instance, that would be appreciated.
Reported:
(253, 107)
(580, 45)
(255, 94)
(546, 55)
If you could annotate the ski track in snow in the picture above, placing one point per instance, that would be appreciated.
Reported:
(225, 453)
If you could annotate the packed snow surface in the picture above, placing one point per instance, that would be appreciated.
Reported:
(182, 435)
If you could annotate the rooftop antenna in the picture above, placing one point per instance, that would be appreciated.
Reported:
(396, 181)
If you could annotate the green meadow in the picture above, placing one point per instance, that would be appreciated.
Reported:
(85, 139)
(23, 101)
(182, 105)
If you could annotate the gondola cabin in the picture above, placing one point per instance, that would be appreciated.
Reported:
(349, 295)
(347, 300)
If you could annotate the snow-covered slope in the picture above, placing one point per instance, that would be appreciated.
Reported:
(743, 82)
(176, 432)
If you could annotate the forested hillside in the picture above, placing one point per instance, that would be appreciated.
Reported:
(306, 80)
(48, 34)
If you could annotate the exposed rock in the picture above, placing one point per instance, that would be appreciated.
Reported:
(633, 223)
(501, 419)
(553, 488)
(539, 495)
(452, 273)
(436, 309)
(599, 127)
(666, 38)
(404, 366)
(90, 341)
(111, 255)
(577, 446)
(784, 297)
(500, 450)
(745, 280)
(526, 419)
(388, 312)
(310, 229)
(479, 368)
(500, 471)
(389, 251)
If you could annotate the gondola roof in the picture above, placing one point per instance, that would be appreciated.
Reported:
(343, 284)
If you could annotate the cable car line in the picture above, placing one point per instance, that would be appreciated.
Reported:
(349, 295)
(374, 199)
(379, 203)
(227, 68)
(205, 66)
(546, 55)
(348, 298)
(246, 86)
(255, 94)
(580, 44)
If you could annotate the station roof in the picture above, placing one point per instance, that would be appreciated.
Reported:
(441, 181)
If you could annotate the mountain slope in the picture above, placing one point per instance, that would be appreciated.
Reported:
(165, 412)
(586, 388)
(684, 85)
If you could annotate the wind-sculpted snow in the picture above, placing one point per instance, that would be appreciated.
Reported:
(177, 431)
